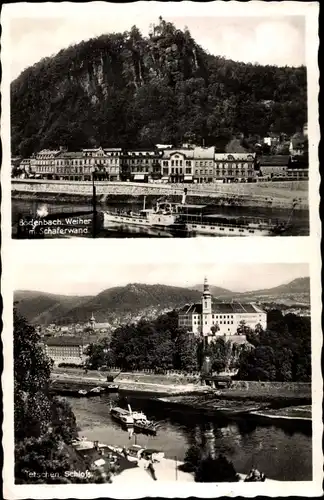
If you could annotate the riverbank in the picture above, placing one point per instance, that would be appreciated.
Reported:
(81, 381)
(277, 411)
(254, 399)
(276, 195)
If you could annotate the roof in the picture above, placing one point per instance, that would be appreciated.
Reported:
(71, 154)
(234, 156)
(65, 340)
(101, 325)
(204, 153)
(276, 160)
(191, 309)
(187, 152)
(222, 308)
(234, 307)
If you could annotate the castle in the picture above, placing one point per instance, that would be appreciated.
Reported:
(210, 319)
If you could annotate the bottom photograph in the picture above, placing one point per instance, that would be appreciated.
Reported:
(141, 373)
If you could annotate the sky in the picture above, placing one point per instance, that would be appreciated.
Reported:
(264, 40)
(86, 275)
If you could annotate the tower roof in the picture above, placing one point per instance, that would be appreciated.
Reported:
(206, 287)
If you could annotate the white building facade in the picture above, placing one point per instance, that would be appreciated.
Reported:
(210, 319)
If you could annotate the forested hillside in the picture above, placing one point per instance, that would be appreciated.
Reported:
(126, 89)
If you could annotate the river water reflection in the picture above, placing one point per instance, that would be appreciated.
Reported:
(300, 220)
(282, 454)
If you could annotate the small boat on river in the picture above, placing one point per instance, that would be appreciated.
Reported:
(145, 427)
(82, 393)
(112, 388)
(96, 391)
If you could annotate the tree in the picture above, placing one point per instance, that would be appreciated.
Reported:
(215, 328)
(215, 470)
(282, 352)
(44, 425)
(192, 458)
(186, 352)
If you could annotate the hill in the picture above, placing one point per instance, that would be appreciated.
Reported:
(126, 89)
(293, 293)
(216, 291)
(136, 300)
(45, 308)
(127, 303)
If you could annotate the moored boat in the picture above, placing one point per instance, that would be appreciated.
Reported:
(163, 216)
(145, 427)
(82, 393)
(122, 416)
(112, 387)
(135, 419)
(96, 391)
(190, 220)
(226, 226)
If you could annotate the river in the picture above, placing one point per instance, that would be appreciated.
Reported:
(283, 454)
(23, 208)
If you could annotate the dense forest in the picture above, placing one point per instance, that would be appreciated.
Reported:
(280, 353)
(126, 89)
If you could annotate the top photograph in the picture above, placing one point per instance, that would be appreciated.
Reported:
(161, 126)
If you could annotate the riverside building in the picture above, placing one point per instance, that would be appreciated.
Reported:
(235, 167)
(211, 319)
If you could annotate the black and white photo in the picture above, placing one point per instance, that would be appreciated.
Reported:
(159, 126)
(160, 250)
(193, 370)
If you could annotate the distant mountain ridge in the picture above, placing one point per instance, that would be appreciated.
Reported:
(136, 300)
(296, 286)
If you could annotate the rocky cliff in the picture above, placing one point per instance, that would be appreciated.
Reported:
(125, 89)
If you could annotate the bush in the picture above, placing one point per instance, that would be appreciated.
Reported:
(216, 470)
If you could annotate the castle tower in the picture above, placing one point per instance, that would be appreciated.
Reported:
(206, 309)
(92, 322)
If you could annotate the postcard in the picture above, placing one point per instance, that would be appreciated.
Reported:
(161, 250)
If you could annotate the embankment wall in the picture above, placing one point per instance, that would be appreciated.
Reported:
(154, 383)
(280, 194)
